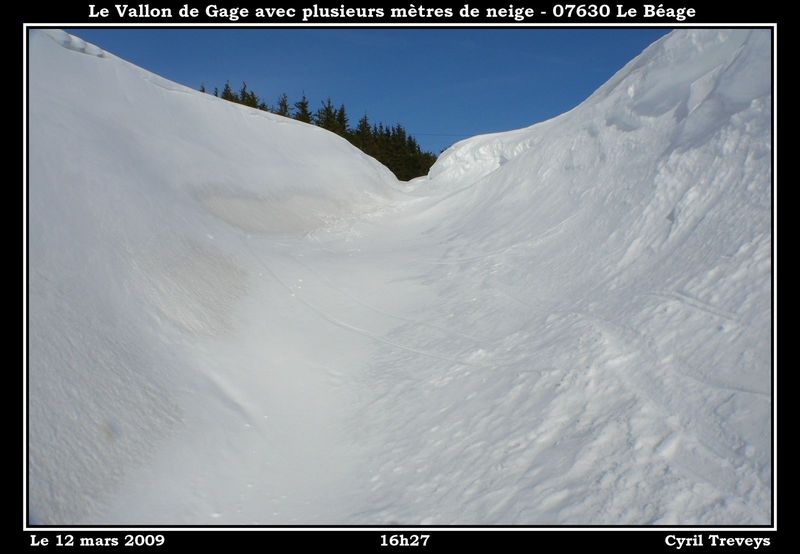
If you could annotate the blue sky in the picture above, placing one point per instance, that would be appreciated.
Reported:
(440, 84)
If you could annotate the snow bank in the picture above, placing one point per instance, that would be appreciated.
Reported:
(146, 199)
(238, 318)
(614, 265)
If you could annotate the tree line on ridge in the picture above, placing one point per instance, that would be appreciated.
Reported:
(391, 145)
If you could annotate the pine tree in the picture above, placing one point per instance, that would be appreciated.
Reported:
(362, 136)
(247, 97)
(342, 128)
(301, 110)
(282, 107)
(227, 93)
(325, 116)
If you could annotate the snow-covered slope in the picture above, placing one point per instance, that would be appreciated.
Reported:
(237, 318)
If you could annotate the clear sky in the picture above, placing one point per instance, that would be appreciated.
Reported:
(441, 84)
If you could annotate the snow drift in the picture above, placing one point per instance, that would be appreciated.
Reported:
(238, 318)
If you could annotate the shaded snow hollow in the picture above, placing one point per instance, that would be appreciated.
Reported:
(238, 318)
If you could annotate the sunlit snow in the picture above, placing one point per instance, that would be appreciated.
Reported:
(236, 318)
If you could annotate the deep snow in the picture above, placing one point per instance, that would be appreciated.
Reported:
(238, 318)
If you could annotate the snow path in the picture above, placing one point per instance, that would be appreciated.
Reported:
(236, 318)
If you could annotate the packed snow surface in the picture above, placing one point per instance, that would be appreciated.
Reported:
(236, 318)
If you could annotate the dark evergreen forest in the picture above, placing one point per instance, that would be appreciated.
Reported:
(389, 144)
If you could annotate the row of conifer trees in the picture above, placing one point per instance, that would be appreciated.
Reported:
(389, 144)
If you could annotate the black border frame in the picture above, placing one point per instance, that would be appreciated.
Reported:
(467, 536)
